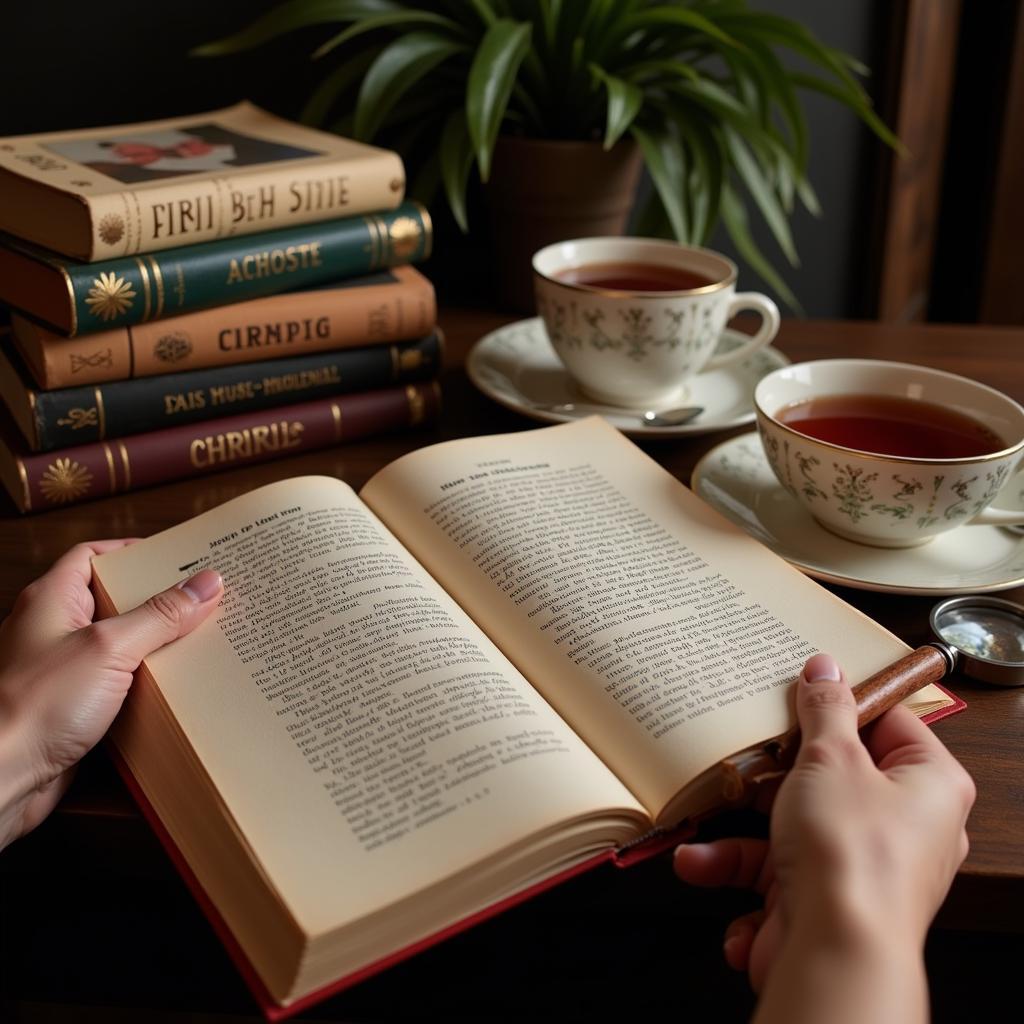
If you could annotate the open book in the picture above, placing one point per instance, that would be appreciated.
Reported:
(510, 656)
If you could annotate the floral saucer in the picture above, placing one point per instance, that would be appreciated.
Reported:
(736, 479)
(517, 367)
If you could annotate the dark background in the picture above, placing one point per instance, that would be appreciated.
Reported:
(69, 65)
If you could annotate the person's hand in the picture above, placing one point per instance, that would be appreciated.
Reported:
(63, 677)
(865, 840)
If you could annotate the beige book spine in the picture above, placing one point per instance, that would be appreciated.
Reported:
(196, 210)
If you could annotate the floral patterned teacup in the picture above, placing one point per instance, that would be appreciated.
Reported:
(887, 500)
(638, 348)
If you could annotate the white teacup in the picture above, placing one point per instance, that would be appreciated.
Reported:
(638, 348)
(889, 500)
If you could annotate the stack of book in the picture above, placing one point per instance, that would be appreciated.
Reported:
(198, 293)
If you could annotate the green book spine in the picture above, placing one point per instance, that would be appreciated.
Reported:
(73, 416)
(134, 289)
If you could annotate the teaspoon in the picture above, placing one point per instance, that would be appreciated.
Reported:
(650, 418)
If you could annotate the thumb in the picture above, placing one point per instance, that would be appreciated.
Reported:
(825, 705)
(172, 613)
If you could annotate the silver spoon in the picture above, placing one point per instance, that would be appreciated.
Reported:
(650, 418)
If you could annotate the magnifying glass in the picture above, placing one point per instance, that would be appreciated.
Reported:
(986, 635)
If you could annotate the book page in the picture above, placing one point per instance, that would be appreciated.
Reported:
(366, 739)
(666, 636)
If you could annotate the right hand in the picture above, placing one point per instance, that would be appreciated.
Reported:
(865, 837)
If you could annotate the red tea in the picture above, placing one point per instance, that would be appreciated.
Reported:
(634, 277)
(891, 425)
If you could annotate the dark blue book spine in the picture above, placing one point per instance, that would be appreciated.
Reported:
(73, 416)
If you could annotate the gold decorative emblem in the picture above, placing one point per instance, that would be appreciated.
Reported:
(78, 418)
(109, 296)
(111, 228)
(65, 480)
(172, 348)
(417, 406)
(405, 235)
(93, 361)
(410, 359)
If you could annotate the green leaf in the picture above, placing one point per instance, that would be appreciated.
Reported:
(401, 18)
(624, 102)
(397, 68)
(484, 11)
(668, 68)
(664, 158)
(735, 218)
(327, 92)
(773, 27)
(752, 176)
(489, 87)
(664, 16)
(862, 109)
(456, 163)
(295, 15)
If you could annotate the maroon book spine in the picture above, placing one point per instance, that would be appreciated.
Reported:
(97, 470)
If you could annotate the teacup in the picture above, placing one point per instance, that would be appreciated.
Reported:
(882, 499)
(638, 347)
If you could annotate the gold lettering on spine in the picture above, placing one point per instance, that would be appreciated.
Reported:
(147, 291)
(393, 349)
(417, 405)
(26, 494)
(385, 241)
(371, 230)
(428, 231)
(110, 468)
(336, 413)
(126, 465)
(35, 418)
(158, 279)
(69, 284)
(103, 415)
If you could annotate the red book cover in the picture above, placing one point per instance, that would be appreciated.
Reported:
(656, 843)
(71, 475)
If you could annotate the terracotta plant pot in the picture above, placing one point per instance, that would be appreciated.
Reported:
(544, 191)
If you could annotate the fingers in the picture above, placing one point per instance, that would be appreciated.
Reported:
(899, 735)
(825, 705)
(739, 939)
(737, 863)
(60, 600)
(127, 639)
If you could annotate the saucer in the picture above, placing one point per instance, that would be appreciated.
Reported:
(517, 367)
(736, 480)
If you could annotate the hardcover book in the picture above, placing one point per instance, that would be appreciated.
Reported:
(508, 659)
(101, 193)
(391, 305)
(74, 416)
(87, 471)
(82, 298)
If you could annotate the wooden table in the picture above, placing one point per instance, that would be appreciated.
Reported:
(99, 823)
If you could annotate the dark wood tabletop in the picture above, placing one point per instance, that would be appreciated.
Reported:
(988, 737)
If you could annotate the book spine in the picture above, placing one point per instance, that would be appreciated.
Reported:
(74, 416)
(393, 305)
(167, 216)
(134, 289)
(73, 475)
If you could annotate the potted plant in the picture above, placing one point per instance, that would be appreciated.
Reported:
(557, 103)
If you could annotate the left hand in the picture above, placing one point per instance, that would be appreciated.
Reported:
(63, 677)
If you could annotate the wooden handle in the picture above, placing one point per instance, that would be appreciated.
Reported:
(887, 688)
(874, 696)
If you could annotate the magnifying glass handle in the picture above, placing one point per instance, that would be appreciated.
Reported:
(745, 770)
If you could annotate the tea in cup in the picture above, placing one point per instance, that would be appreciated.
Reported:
(634, 319)
(889, 454)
